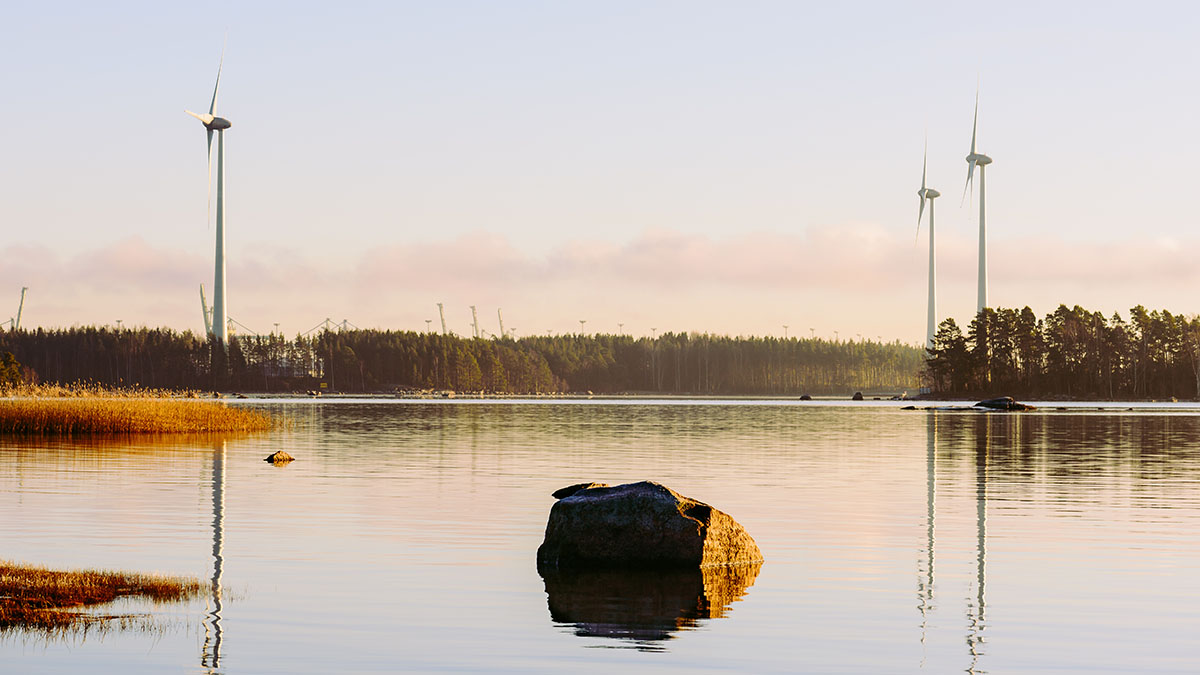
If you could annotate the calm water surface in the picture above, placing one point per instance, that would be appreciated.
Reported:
(404, 539)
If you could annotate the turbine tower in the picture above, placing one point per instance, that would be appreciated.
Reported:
(981, 160)
(500, 317)
(474, 322)
(929, 194)
(442, 314)
(218, 124)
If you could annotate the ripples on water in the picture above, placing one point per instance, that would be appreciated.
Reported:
(404, 538)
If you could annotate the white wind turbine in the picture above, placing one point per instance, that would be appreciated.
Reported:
(929, 194)
(981, 160)
(220, 327)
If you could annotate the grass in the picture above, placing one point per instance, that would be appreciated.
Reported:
(86, 409)
(53, 601)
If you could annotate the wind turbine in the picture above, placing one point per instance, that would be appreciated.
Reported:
(981, 160)
(929, 194)
(218, 124)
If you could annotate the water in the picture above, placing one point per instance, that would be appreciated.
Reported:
(403, 538)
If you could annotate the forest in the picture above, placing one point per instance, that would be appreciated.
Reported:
(1071, 353)
(389, 361)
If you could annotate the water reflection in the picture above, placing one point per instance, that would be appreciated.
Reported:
(211, 655)
(643, 608)
(925, 574)
(976, 621)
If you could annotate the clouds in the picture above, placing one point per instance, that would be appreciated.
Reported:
(852, 277)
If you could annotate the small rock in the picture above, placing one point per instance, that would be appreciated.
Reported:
(806, 397)
(279, 457)
(857, 396)
(1003, 403)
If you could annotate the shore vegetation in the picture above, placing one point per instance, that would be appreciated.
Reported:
(93, 409)
(377, 361)
(1070, 353)
(54, 601)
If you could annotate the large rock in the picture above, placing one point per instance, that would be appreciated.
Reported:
(640, 525)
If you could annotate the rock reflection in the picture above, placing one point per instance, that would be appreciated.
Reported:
(642, 608)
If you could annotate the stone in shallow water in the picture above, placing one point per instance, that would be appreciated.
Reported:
(279, 457)
(1004, 403)
(640, 525)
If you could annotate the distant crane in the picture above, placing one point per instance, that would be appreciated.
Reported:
(207, 312)
(324, 324)
(15, 323)
(474, 322)
(234, 323)
(500, 317)
(442, 313)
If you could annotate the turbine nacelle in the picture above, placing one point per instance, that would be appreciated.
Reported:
(979, 159)
(928, 193)
(211, 122)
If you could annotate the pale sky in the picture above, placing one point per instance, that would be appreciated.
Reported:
(721, 167)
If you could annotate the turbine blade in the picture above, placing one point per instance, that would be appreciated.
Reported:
(920, 214)
(975, 122)
(212, 108)
(924, 166)
(967, 187)
(206, 119)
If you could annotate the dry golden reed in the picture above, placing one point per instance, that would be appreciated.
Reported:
(37, 598)
(89, 409)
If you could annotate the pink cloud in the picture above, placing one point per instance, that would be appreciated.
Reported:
(860, 278)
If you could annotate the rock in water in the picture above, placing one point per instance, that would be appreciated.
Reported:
(1004, 403)
(857, 396)
(640, 525)
(279, 457)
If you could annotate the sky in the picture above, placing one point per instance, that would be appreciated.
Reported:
(728, 168)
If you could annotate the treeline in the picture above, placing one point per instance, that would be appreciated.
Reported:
(1072, 352)
(379, 361)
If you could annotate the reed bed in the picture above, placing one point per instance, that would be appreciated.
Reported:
(54, 601)
(84, 409)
